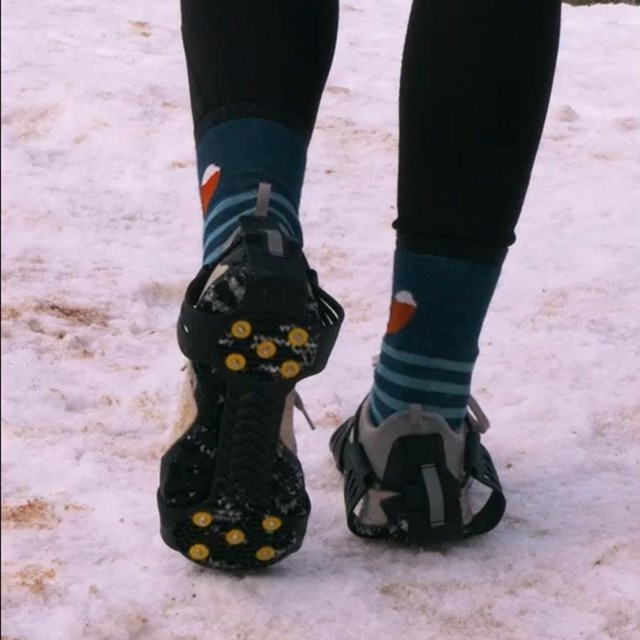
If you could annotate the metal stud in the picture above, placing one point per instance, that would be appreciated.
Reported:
(264, 554)
(241, 329)
(202, 519)
(235, 362)
(298, 337)
(271, 524)
(266, 349)
(235, 537)
(289, 369)
(199, 552)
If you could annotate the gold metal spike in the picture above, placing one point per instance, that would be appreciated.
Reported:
(202, 519)
(298, 337)
(289, 369)
(235, 362)
(235, 537)
(241, 329)
(266, 349)
(264, 554)
(199, 552)
(271, 524)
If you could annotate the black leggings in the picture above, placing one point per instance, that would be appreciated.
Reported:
(475, 85)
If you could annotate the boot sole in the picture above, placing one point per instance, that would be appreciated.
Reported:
(256, 510)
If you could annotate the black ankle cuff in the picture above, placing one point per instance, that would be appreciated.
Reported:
(239, 110)
(450, 248)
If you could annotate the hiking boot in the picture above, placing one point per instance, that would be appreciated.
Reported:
(252, 325)
(409, 478)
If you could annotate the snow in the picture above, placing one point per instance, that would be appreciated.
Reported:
(101, 233)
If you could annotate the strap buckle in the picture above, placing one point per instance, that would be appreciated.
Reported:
(476, 418)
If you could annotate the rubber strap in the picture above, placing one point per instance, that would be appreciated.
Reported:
(279, 282)
(359, 478)
(434, 492)
(484, 471)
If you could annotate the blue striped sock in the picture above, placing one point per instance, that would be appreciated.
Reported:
(431, 345)
(233, 159)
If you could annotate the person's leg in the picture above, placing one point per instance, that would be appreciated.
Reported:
(254, 321)
(256, 75)
(476, 80)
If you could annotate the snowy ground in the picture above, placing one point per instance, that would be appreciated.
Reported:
(101, 232)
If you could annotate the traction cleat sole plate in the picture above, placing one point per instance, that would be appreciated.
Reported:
(232, 495)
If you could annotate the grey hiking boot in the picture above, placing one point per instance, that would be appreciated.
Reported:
(409, 478)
